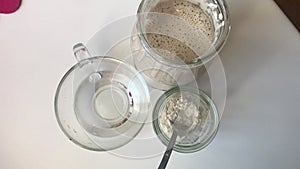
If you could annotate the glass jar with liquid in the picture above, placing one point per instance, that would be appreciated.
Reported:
(176, 39)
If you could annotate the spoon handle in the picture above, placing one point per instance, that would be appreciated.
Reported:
(168, 152)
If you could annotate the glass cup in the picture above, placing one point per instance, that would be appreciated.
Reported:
(191, 113)
(177, 37)
(101, 103)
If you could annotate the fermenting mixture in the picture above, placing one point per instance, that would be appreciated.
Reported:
(175, 32)
(177, 37)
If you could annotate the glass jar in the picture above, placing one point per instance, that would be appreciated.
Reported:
(176, 39)
(189, 112)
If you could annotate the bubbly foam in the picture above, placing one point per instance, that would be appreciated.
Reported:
(176, 38)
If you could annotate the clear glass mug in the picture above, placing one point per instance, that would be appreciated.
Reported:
(101, 103)
(177, 38)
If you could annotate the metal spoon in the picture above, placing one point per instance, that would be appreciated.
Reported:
(178, 129)
(168, 152)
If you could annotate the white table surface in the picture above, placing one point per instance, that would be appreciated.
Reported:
(259, 128)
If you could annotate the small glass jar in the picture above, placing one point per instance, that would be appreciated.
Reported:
(196, 116)
(176, 39)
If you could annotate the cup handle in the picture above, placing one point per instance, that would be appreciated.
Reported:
(81, 52)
